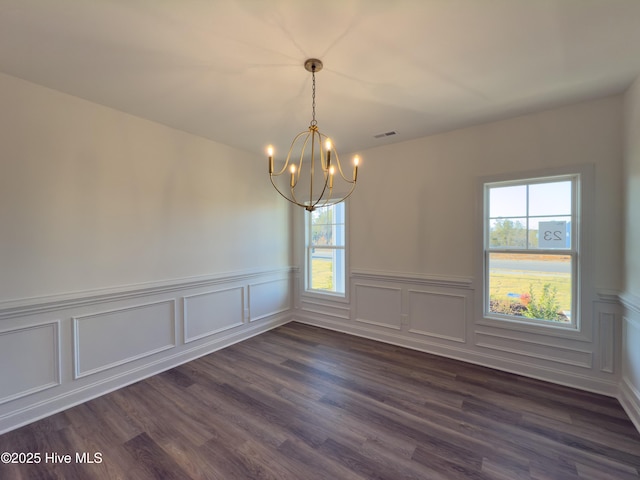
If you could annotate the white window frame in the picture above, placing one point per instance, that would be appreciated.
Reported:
(582, 211)
(342, 280)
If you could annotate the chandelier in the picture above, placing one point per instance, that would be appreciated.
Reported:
(312, 176)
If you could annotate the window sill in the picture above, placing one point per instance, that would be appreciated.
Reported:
(327, 296)
(541, 327)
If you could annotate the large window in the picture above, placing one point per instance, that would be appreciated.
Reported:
(531, 250)
(325, 249)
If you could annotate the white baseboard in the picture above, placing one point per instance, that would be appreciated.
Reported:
(629, 398)
(583, 382)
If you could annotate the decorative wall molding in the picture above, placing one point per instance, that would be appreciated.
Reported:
(107, 339)
(62, 400)
(609, 296)
(212, 312)
(50, 303)
(437, 314)
(114, 337)
(413, 278)
(331, 309)
(629, 395)
(535, 349)
(570, 333)
(428, 313)
(607, 342)
(378, 305)
(35, 366)
(268, 298)
(631, 302)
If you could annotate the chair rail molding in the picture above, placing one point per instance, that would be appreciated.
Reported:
(48, 303)
(414, 278)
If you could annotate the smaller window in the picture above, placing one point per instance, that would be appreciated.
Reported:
(325, 249)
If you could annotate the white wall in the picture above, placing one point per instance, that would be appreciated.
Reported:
(415, 245)
(126, 247)
(631, 294)
(91, 198)
(417, 200)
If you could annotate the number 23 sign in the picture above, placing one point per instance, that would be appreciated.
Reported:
(552, 234)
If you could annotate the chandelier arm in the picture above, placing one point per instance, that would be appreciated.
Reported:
(292, 187)
(341, 199)
(284, 169)
(304, 149)
(281, 171)
(324, 189)
(326, 173)
(340, 169)
(313, 162)
(287, 160)
(300, 162)
(284, 196)
(323, 157)
(293, 198)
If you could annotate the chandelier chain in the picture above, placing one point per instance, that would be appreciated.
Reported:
(314, 123)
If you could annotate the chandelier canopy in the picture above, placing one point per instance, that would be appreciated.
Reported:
(312, 175)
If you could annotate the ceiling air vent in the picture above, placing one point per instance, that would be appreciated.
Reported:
(385, 134)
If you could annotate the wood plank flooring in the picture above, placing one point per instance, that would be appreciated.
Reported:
(304, 403)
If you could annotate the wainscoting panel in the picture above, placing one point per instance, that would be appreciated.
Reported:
(440, 315)
(58, 351)
(443, 315)
(108, 339)
(208, 313)
(29, 360)
(379, 305)
(336, 310)
(607, 339)
(269, 298)
(630, 385)
(534, 349)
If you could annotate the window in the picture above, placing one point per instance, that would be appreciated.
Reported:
(531, 250)
(325, 249)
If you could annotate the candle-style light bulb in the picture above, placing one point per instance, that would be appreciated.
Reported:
(270, 155)
(292, 169)
(356, 161)
(327, 146)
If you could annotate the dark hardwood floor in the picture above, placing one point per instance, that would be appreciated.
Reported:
(304, 403)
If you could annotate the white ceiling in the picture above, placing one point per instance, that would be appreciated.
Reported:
(232, 70)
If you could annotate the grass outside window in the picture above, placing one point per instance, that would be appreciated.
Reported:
(512, 286)
(322, 274)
